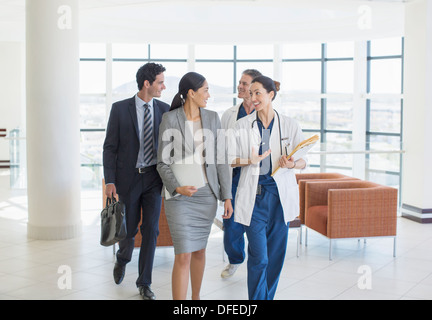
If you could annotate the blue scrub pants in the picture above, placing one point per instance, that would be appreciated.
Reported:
(267, 236)
(234, 242)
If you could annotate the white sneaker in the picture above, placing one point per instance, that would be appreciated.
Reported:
(229, 270)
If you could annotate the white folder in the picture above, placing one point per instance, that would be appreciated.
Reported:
(188, 172)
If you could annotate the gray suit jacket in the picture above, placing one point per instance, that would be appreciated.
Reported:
(173, 147)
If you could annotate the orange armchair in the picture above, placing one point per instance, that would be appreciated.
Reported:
(351, 209)
(302, 178)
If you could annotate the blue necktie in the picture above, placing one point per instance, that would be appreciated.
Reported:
(147, 136)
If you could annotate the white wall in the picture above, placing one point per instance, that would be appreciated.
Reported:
(204, 21)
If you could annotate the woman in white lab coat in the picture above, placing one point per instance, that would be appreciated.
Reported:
(265, 203)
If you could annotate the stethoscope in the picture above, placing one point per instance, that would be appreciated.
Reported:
(280, 132)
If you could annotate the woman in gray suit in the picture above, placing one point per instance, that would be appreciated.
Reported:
(191, 130)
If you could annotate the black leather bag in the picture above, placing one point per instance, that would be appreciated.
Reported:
(113, 223)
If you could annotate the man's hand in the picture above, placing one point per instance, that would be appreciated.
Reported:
(110, 191)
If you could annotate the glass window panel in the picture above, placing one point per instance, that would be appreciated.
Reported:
(306, 111)
(168, 51)
(266, 68)
(386, 76)
(255, 52)
(124, 77)
(384, 161)
(301, 77)
(339, 114)
(93, 50)
(302, 51)
(340, 49)
(130, 51)
(92, 112)
(385, 115)
(174, 72)
(340, 77)
(312, 168)
(390, 180)
(91, 159)
(92, 77)
(219, 76)
(313, 160)
(216, 52)
(340, 141)
(347, 172)
(386, 47)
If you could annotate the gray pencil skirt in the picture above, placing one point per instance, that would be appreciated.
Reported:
(190, 219)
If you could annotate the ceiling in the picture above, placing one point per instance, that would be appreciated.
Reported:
(222, 21)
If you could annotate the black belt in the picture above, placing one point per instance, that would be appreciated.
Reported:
(145, 169)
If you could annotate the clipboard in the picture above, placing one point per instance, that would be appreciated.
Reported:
(301, 150)
(188, 172)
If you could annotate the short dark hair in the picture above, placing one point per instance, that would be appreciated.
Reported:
(149, 71)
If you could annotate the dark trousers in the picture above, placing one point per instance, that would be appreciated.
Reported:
(267, 236)
(142, 201)
(234, 242)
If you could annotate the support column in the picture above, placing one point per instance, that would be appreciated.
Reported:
(417, 142)
(53, 141)
(359, 108)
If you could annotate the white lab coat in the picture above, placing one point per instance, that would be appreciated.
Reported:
(228, 120)
(241, 141)
(229, 117)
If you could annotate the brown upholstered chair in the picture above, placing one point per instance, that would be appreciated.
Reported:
(302, 178)
(351, 209)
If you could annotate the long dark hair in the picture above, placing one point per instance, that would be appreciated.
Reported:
(190, 80)
(268, 84)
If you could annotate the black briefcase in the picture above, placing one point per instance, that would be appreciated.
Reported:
(113, 223)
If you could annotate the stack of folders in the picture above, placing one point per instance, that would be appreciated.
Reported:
(301, 150)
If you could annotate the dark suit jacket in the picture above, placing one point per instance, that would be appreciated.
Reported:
(121, 146)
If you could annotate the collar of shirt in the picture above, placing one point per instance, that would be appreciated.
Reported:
(242, 112)
(139, 103)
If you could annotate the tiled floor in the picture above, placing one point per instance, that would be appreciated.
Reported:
(32, 269)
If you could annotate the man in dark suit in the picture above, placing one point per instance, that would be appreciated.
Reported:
(129, 159)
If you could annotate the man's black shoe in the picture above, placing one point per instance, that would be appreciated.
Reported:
(146, 293)
(118, 273)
